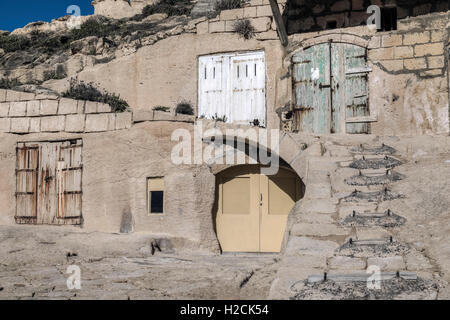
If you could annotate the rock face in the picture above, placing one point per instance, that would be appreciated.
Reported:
(119, 9)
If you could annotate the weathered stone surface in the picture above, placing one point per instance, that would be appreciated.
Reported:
(415, 64)
(75, 123)
(111, 122)
(4, 109)
(26, 96)
(20, 125)
(320, 230)
(52, 124)
(123, 120)
(103, 107)
(318, 206)
(218, 26)
(308, 246)
(261, 24)
(18, 109)
(416, 37)
(5, 124)
(33, 108)
(67, 106)
(12, 95)
(433, 49)
(250, 12)
(318, 191)
(416, 262)
(80, 106)
(90, 107)
(97, 122)
(2, 95)
(392, 40)
(388, 263)
(35, 125)
(203, 27)
(264, 11)
(232, 14)
(87, 46)
(49, 107)
(346, 263)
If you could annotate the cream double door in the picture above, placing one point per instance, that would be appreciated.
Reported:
(252, 208)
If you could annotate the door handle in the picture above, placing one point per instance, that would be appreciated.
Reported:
(324, 86)
(260, 200)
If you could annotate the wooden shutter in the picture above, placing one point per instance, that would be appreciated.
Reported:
(312, 89)
(27, 163)
(69, 171)
(233, 86)
(356, 90)
(212, 87)
(248, 88)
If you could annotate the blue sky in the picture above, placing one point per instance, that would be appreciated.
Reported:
(17, 13)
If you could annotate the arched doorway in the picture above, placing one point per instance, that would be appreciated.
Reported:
(330, 82)
(252, 208)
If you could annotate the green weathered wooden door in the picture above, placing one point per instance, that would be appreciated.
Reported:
(330, 83)
(312, 88)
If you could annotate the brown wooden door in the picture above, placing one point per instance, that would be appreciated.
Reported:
(27, 163)
(49, 182)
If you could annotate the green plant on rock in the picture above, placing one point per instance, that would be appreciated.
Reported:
(161, 108)
(6, 83)
(184, 107)
(169, 7)
(244, 28)
(80, 90)
(228, 5)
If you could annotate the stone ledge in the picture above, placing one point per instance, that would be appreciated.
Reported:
(151, 115)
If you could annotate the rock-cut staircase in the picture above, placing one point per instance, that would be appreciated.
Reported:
(343, 241)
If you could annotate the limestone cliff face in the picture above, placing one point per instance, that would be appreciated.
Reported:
(118, 9)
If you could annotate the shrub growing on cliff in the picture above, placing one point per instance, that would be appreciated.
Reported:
(80, 90)
(228, 5)
(99, 27)
(6, 83)
(11, 43)
(170, 7)
(244, 28)
(184, 107)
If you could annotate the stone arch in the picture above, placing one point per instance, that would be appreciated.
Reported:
(288, 150)
(330, 37)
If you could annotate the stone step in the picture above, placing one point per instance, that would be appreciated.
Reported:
(373, 150)
(361, 277)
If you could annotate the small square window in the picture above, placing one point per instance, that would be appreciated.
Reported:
(156, 201)
(155, 195)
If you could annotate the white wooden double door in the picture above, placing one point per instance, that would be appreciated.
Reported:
(232, 87)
